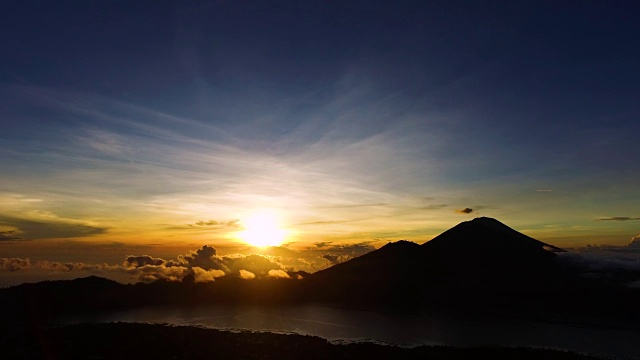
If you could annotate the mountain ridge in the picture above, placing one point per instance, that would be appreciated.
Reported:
(477, 266)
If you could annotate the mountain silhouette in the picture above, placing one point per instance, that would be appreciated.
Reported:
(482, 256)
(486, 235)
(477, 267)
(485, 252)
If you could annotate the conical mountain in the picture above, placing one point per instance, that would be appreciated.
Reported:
(485, 253)
(488, 237)
(480, 255)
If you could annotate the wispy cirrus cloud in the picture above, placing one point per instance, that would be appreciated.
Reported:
(619, 218)
(48, 227)
(433, 207)
(232, 223)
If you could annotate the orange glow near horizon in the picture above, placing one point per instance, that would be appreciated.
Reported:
(262, 230)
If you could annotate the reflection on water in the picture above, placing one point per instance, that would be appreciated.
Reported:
(351, 325)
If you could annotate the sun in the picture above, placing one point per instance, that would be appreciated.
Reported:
(262, 230)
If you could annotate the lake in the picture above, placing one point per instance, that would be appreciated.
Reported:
(338, 324)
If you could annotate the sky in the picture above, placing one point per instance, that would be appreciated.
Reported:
(156, 128)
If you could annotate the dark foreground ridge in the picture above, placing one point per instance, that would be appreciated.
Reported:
(156, 341)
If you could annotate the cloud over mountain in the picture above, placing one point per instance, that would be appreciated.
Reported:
(336, 259)
(464, 211)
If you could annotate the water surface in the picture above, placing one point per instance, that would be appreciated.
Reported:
(337, 324)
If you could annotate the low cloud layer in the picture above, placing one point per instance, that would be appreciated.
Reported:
(613, 263)
(25, 264)
(203, 265)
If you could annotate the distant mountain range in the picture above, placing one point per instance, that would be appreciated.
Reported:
(477, 266)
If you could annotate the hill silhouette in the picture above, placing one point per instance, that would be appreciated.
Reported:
(478, 266)
(158, 341)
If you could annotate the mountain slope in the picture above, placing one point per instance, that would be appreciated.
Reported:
(488, 251)
(376, 277)
(488, 236)
(482, 256)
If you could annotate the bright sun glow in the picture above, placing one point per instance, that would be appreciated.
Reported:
(262, 230)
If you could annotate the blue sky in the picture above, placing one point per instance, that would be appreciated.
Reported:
(350, 122)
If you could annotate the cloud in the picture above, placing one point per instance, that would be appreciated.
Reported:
(9, 235)
(50, 226)
(206, 258)
(71, 266)
(208, 225)
(634, 284)
(361, 247)
(464, 211)
(149, 273)
(202, 275)
(248, 275)
(326, 222)
(19, 264)
(278, 274)
(329, 253)
(14, 264)
(331, 222)
(337, 259)
(433, 207)
(348, 206)
(543, 190)
(619, 218)
(599, 263)
(142, 260)
(613, 263)
(322, 244)
(232, 223)
(204, 264)
(259, 265)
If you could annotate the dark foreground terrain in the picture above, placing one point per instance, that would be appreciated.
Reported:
(156, 341)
